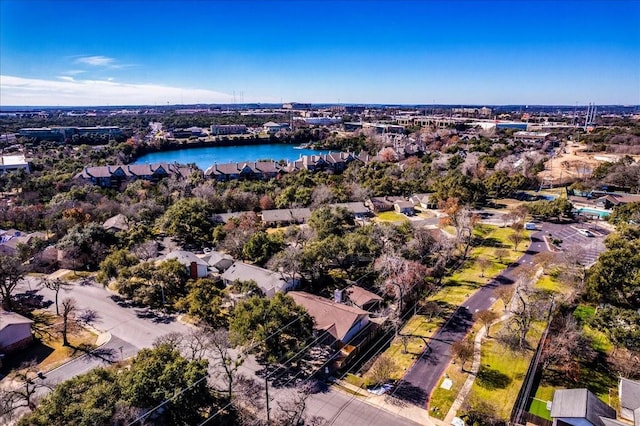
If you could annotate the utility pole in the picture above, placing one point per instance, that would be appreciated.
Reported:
(266, 388)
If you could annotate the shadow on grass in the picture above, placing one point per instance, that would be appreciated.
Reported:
(492, 379)
(493, 242)
(105, 354)
(37, 352)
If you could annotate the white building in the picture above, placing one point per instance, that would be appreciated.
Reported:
(15, 331)
(14, 162)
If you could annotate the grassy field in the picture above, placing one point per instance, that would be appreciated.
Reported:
(539, 408)
(502, 371)
(442, 399)
(391, 217)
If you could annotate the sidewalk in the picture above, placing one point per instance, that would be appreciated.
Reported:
(466, 388)
(408, 411)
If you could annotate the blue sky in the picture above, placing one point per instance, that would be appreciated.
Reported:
(122, 52)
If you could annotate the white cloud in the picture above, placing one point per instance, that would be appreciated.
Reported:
(96, 61)
(66, 91)
(74, 72)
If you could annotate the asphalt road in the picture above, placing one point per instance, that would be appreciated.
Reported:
(423, 377)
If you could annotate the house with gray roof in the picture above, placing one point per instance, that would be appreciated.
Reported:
(579, 407)
(270, 282)
(218, 262)
(15, 331)
(196, 267)
(629, 393)
(357, 208)
(112, 176)
(116, 223)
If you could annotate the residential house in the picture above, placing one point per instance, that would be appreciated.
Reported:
(629, 393)
(382, 204)
(269, 282)
(348, 329)
(257, 170)
(14, 162)
(196, 267)
(11, 238)
(580, 407)
(116, 223)
(219, 218)
(404, 207)
(342, 322)
(218, 262)
(114, 176)
(363, 299)
(15, 331)
(358, 209)
(280, 217)
(423, 201)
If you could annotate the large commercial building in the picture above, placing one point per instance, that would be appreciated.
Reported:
(14, 162)
(228, 129)
(59, 134)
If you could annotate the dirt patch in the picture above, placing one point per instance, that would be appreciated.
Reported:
(573, 163)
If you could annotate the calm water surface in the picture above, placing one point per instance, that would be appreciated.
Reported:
(206, 156)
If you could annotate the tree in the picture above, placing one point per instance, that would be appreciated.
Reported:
(260, 247)
(530, 306)
(11, 273)
(462, 350)
(486, 318)
(483, 263)
(86, 245)
(404, 279)
(504, 293)
(273, 328)
(204, 301)
(382, 369)
(327, 221)
(223, 358)
(189, 221)
(615, 281)
(114, 263)
(55, 285)
(516, 238)
(157, 374)
(23, 393)
(565, 346)
(69, 307)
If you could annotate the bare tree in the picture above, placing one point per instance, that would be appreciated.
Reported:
(195, 344)
(483, 264)
(486, 318)
(55, 285)
(504, 293)
(530, 306)
(291, 411)
(516, 238)
(462, 350)
(382, 369)
(25, 394)
(69, 306)
(501, 254)
(224, 359)
(566, 339)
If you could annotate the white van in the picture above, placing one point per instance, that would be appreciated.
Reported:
(530, 226)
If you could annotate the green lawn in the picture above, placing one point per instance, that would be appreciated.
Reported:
(442, 399)
(391, 217)
(502, 372)
(539, 408)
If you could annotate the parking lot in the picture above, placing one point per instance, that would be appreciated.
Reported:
(574, 239)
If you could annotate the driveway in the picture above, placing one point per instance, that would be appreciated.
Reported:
(423, 377)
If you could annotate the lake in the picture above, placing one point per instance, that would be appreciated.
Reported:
(204, 157)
